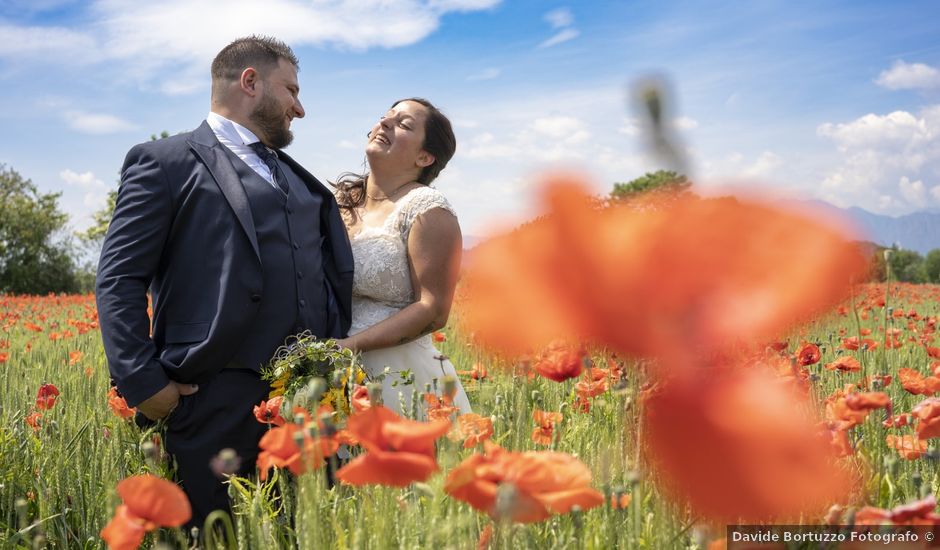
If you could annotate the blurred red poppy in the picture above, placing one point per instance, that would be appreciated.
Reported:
(149, 502)
(736, 446)
(621, 277)
(928, 418)
(534, 484)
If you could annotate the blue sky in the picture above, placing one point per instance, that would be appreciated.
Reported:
(837, 101)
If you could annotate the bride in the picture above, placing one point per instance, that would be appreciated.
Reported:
(406, 246)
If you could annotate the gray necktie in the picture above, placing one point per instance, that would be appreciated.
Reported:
(270, 158)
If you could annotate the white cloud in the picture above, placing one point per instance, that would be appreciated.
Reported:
(96, 123)
(486, 74)
(909, 76)
(153, 40)
(685, 123)
(913, 192)
(765, 165)
(559, 18)
(96, 192)
(886, 162)
(47, 42)
(562, 36)
(631, 127)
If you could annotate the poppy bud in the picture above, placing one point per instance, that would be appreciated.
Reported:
(150, 451)
(375, 393)
(449, 386)
(226, 463)
(336, 379)
(329, 426)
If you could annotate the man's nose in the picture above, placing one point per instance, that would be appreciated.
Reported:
(298, 109)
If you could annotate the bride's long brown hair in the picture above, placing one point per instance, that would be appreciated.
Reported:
(439, 141)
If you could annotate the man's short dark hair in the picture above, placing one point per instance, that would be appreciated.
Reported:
(260, 52)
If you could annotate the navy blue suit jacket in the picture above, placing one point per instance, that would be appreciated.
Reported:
(182, 227)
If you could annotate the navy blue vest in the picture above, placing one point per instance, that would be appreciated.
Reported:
(295, 296)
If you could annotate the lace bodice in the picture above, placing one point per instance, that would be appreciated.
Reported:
(382, 282)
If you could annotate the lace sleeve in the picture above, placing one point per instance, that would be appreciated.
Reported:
(420, 201)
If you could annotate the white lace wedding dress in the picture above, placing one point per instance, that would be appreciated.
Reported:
(381, 288)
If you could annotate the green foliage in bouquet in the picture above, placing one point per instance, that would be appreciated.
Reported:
(302, 360)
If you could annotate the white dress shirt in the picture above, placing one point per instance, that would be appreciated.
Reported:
(237, 138)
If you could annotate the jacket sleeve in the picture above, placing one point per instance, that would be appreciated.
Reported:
(129, 259)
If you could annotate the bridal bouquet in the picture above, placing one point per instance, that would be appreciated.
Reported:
(306, 368)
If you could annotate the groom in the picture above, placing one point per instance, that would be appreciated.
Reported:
(239, 247)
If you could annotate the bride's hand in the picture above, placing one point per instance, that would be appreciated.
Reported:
(344, 342)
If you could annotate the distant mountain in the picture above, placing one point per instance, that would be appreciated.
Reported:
(919, 231)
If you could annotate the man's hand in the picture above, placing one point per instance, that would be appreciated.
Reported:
(162, 403)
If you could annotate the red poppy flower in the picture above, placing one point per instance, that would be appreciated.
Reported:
(149, 502)
(438, 337)
(75, 357)
(808, 355)
(928, 418)
(46, 396)
(560, 363)
(269, 412)
(279, 447)
(119, 405)
(735, 447)
(4, 357)
(545, 426)
(360, 398)
(920, 512)
(907, 446)
(846, 363)
(592, 384)
(536, 484)
(867, 401)
(439, 408)
(620, 502)
(398, 451)
(621, 277)
(473, 429)
(34, 420)
(917, 384)
(897, 421)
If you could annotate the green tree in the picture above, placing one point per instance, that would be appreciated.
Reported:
(661, 180)
(932, 266)
(907, 266)
(36, 255)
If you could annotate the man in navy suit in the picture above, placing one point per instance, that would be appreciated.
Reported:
(239, 247)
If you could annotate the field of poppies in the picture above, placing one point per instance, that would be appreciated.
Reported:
(757, 387)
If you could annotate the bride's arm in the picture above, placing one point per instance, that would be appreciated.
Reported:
(434, 249)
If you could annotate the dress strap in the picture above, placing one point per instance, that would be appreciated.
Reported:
(417, 202)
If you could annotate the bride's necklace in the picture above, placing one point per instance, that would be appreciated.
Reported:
(390, 195)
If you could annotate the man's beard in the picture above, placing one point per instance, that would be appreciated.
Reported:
(269, 119)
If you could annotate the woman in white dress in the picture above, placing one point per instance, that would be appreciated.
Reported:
(406, 245)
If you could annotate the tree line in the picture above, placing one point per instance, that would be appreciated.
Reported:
(39, 255)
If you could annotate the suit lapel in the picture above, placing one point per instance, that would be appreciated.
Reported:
(207, 147)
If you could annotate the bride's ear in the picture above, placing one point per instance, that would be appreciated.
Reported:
(424, 159)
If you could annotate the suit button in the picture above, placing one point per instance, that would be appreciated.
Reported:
(303, 303)
(300, 275)
(256, 298)
(296, 246)
(290, 210)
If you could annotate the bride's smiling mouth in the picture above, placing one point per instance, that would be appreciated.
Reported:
(380, 137)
